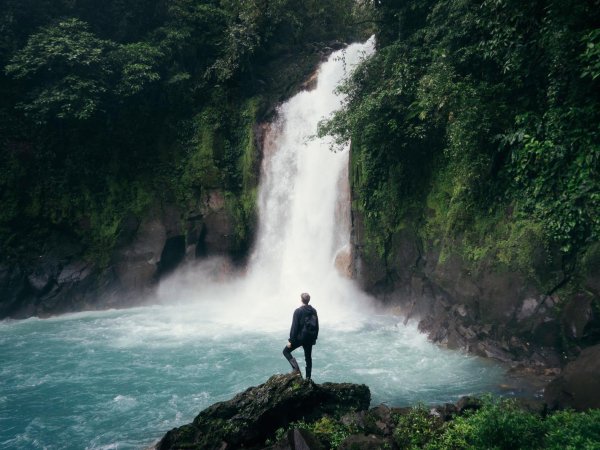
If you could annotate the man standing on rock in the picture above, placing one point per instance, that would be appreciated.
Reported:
(304, 332)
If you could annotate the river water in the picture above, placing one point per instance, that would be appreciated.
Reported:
(120, 379)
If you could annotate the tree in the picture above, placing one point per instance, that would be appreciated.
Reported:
(66, 69)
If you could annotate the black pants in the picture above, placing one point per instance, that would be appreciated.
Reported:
(287, 352)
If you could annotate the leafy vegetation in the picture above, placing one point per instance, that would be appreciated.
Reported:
(499, 424)
(329, 431)
(477, 123)
(107, 110)
(416, 429)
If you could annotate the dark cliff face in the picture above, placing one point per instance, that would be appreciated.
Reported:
(493, 312)
(61, 280)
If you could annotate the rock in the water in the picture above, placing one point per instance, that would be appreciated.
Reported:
(251, 417)
(579, 385)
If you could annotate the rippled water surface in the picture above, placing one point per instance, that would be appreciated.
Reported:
(121, 379)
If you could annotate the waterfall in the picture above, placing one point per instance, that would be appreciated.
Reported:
(304, 217)
(303, 181)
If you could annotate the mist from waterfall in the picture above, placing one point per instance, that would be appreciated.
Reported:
(304, 222)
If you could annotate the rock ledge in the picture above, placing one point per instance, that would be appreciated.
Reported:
(253, 416)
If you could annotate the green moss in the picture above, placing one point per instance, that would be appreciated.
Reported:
(522, 241)
(243, 210)
(249, 159)
(380, 202)
(200, 169)
(104, 216)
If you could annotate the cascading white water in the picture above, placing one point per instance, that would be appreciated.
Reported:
(300, 233)
(302, 181)
(303, 219)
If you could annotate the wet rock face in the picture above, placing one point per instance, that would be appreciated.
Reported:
(211, 228)
(148, 248)
(579, 385)
(54, 281)
(344, 262)
(251, 417)
(494, 313)
(136, 263)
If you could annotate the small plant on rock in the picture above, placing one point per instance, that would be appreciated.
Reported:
(416, 428)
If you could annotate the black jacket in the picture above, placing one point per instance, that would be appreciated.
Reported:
(297, 322)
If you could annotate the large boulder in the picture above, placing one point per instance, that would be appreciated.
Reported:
(579, 385)
(251, 417)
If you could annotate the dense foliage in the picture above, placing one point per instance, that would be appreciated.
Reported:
(477, 122)
(499, 424)
(110, 107)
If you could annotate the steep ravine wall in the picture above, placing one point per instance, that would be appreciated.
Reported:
(63, 281)
(495, 313)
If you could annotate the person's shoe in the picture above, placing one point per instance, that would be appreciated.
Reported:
(295, 367)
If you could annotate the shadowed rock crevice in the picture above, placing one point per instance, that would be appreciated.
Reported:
(172, 254)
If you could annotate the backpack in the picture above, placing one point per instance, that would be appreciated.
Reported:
(309, 330)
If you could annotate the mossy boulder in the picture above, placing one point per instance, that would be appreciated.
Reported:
(253, 416)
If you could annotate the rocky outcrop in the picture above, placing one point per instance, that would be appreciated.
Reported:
(288, 413)
(578, 386)
(148, 248)
(253, 416)
(211, 227)
(57, 281)
(494, 313)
